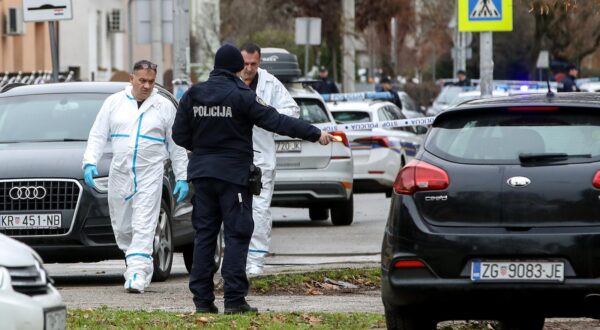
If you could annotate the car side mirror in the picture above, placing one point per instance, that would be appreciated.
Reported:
(421, 130)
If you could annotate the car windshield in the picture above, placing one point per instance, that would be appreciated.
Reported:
(517, 136)
(312, 111)
(48, 117)
(351, 116)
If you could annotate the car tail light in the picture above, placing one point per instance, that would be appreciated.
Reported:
(341, 137)
(409, 264)
(419, 176)
(596, 180)
(382, 141)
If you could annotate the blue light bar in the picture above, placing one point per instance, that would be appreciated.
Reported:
(360, 96)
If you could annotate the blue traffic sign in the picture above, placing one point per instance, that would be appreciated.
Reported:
(485, 10)
(484, 15)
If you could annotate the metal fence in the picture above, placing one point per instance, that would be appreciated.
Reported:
(32, 78)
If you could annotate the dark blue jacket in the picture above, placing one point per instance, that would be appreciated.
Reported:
(325, 86)
(567, 84)
(214, 120)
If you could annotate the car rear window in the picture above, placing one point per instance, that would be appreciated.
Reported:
(48, 117)
(511, 135)
(313, 111)
(351, 116)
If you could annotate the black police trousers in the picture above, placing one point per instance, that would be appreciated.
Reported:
(216, 201)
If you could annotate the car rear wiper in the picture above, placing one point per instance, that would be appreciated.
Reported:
(549, 157)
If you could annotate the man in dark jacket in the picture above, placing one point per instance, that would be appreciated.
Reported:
(386, 86)
(214, 121)
(463, 81)
(567, 83)
(324, 85)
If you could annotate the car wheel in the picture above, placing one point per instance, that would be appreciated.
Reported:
(397, 320)
(342, 213)
(318, 213)
(188, 254)
(522, 323)
(163, 245)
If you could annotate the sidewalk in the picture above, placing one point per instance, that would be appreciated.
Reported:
(100, 284)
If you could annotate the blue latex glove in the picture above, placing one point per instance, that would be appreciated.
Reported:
(88, 174)
(182, 188)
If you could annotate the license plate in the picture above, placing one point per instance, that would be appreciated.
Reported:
(35, 221)
(553, 271)
(289, 146)
(55, 319)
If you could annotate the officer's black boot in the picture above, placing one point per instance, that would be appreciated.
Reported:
(240, 309)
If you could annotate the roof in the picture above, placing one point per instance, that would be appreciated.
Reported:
(300, 91)
(269, 50)
(66, 87)
(559, 99)
(367, 105)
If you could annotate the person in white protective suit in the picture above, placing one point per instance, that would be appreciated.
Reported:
(272, 91)
(138, 122)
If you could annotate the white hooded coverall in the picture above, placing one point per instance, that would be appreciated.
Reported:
(274, 93)
(141, 142)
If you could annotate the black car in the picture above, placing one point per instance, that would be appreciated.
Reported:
(43, 135)
(498, 217)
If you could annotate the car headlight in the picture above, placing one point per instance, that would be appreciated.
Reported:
(101, 184)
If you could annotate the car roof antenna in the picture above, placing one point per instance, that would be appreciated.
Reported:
(550, 94)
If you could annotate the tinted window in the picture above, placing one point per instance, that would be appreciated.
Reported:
(351, 116)
(383, 114)
(312, 111)
(394, 113)
(408, 103)
(48, 117)
(501, 136)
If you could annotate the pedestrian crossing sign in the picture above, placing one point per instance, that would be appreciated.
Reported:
(484, 15)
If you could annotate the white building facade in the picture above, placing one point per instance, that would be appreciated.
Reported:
(95, 43)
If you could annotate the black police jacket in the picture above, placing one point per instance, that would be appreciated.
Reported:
(214, 120)
(325, 86)
(567, 84)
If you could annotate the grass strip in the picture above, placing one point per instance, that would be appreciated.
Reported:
(106, 318)
(317, 282)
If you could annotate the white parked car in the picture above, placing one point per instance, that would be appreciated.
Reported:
(310, 175)
(378, 153)
(28, 300)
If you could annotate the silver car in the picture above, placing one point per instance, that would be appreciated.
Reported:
(310, 175)
(28, 300)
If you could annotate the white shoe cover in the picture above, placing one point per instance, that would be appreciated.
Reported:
(254, 270)
(136, 283)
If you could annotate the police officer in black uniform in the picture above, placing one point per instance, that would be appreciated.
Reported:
(386, 85)
(568, 84)
(214, 121)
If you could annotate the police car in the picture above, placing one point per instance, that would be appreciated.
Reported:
(378, 153)
(310, 175)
